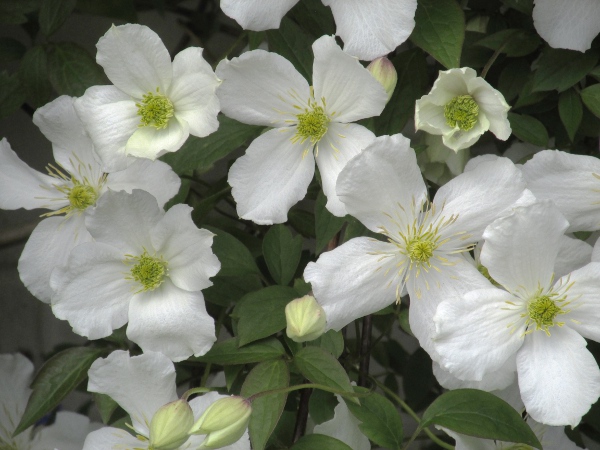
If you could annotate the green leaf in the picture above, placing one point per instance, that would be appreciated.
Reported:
(528, 129)
(282, 253)
(381, 422)
(319, 441)
(513, 42)
(411, 67)
(72, 69)
(262, 313)
(235, 258)
(326, 224)
(302, 221)
(116, 9)
(560, 69)
(440, 30)
(319, 366)
(513, 78)
(265, 410)
(226, 290)
(314, 17)
(106, 406)
(524, 6)
(228, 352)
(53, 14)
(480, 414)
(201, 153)
(10, 50)
(321, 406)
(332, 341)
(591, 98)
(12, 94)
(291, 42)
(58, 376)
(33, 73)
(13, 11)
(570, 111)
(418, 379)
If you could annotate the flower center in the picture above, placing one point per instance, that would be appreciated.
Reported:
(542, 310)
(462, 112)
(420, 249)
(148, 271)
(155, 110)
(312, 124)
(81, 196)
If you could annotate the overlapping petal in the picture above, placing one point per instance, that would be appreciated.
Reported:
(257, 15)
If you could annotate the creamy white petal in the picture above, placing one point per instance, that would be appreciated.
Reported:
(23, 187)
(110, 117)
(382, 177)
(171, 321)
(261, 88)
(572, 254)
(492, 381)
(48, 247)
(357, 278)
(154, 177)
(91, 291)
(372, 29)
(271, 177)
(193, 92)
(477, 334)
(430, 117)
(449, 84)
(584, 306)
(350, 91)
(344, 427)
(459, 139)
(520, 249)
(479, 196)
(68, 432)
(491, 103)
(135, 59)
(568, 180)
(572, 25)
(16, 373)
(186, 248)
(552, 438)
(559, 378)
(257, 15)
(150, 142)
(341, 143)
(139, 384)
(112, 438)
(464, 442)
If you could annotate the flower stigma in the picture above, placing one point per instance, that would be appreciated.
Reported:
(149, 271)
(81, 196)
(155, 110)
(312, 124)
(462, 112)
(544, 306)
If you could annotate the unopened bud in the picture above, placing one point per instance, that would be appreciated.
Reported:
(170, 425)
(383, 71)
(224, 422)
(305, 319)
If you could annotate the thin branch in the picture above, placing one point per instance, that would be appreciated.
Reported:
(365, 350)
(302, 416)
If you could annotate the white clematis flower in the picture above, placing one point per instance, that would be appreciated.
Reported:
(461, 107)
(141, 385)
(146, 267)
(154, 105)
(368, 29)
(572, 24)
(383, 188)
(75, 182)
(66, 433)
(541, 321)
(344, 427)
(263, 88)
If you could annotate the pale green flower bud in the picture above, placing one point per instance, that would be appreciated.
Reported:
(170, 424)
(305, 319)
(224, 422)
(383, 71)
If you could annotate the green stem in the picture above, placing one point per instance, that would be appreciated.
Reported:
(198, 390)
(413, 437)
(491, 61)
(306, 386)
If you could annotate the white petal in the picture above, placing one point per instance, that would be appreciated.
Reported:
(552, 438)
(559, 378)
(372, 29)
(350, 91)
(150, 142)
(572, 254)
(68, 432)
(458, 139)
(573, 24)
(503, 377)
(479, 196)
(112, 438)
(193, 92)
(449, 84)
(91, 291)
(139, 384)
(257, 15)
(355, 279)
(491, 103)
(520, 249)
(261, 88)
(271, 177)
(48, 247)
(154, 177)
(344, 427)
(23, 187)
(464, 442)
(186, 248)
(110, 117)
(341, 143)
(476, 334)
(569, 181)
(430, 117)
(135, 59)
(16, 373)
(383, 176)
(584, 306)
(124, 220)
(171, 321)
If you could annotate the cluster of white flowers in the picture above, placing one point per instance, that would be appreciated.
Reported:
(499, 295)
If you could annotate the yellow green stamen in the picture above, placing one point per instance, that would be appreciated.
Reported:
(420, 249)
(155, 110)
(312, 125)
(81, 196)
(462, 112)
(148, 271)
(542, 310)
